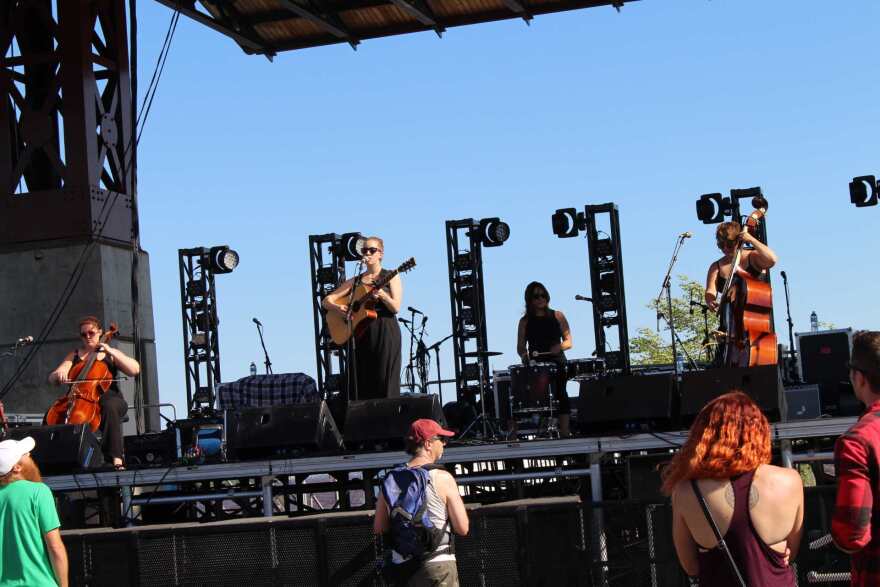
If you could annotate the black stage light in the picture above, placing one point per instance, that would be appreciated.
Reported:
(463, 262)
(604, 248)
(711, 208)
(493, 232)
(567, 222)
(350, 245)
(327, 276)
(863, 191)
(203, 321)
(195, 288)
(222, 259)
(467, 295)
(608, 282)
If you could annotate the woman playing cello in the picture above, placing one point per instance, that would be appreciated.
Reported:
(113, 405)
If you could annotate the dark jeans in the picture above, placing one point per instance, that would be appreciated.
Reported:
(113, 409)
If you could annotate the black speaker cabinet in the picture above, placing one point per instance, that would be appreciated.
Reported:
(153, 449)
(280, 430)
(62, 449)
(823, 360)
(626, 402)
(386, 421)
(763, 384)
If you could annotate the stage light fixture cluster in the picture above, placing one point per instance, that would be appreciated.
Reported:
(350, 245)
(222, 259)
(568, 222)
(864, 191)
(493, 232)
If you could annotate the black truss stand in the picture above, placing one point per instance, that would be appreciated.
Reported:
(327, 273)
(606, 281)
(201, 343)
(468, 306)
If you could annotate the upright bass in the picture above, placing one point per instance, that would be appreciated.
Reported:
(747, 308)
(89, 380)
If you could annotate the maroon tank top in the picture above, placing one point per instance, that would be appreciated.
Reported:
(760, 565)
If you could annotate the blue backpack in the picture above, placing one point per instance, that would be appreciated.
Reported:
(412, 532)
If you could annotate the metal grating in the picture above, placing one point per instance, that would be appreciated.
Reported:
(296, 550)
(351, 553)
(199, 565)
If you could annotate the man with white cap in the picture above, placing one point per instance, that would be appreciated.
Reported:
(30, 539)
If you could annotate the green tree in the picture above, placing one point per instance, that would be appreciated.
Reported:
(649, 347)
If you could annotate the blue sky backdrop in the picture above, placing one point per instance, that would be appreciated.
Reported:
(647, 108)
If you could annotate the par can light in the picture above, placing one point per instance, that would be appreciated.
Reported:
(222, 259)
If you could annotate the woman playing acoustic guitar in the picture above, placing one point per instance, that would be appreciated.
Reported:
(113, 405)
(377, 348)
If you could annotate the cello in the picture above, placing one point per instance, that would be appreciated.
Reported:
(747, 308)
(90, 380)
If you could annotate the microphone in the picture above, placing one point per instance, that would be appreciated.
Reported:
(687, 234)
(581, 298)
(784, 276)
(257, 322)
(404, 320)
(424, 319)
(414, 311)
(24, 341)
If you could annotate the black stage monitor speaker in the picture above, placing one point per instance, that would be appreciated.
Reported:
(763, 384)
(802, 402)
(281, 430)
(824, 355)
(386, 421)
(823, 360)
(626, 403)
(153, 449)
(62, 449)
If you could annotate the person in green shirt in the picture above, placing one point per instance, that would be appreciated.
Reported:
(31, 550)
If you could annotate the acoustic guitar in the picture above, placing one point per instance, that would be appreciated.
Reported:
(362, 309)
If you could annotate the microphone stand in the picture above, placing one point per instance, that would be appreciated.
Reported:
(436, 348)
(410, 378)
(792, 353)
(667, 289)
(267, 362)
(351, 345)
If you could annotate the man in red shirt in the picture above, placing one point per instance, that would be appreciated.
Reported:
(855, 525)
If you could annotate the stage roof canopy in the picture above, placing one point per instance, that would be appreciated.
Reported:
(267, 27)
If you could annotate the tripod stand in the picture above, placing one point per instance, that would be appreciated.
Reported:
(486, 423)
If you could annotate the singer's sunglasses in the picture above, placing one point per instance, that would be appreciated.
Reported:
(540, 296)
(370, 250)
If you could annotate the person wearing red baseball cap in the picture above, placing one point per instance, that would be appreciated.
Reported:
(31, 550)
(422, 486)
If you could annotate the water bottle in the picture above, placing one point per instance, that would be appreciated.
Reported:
(679, 363)
(814, 322)
(253, 368)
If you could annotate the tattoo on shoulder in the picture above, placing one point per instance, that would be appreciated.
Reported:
(753, 496)
(728, 495)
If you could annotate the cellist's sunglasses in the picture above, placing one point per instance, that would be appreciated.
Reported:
(88, 333)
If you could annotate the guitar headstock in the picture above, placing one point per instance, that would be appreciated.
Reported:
(407, 265)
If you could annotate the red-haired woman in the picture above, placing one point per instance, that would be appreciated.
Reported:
(758, 508)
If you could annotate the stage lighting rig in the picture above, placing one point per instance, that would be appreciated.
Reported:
(711, 208)
(493, 232)
(864, 191)
(568, 222)
(350, 245)
(201, 337)
(221, 259)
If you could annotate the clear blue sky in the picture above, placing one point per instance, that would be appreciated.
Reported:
(648, 108)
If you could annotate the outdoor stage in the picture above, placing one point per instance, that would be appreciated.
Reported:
(309, 520)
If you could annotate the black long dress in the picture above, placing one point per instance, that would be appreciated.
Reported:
(113, 410)
(377, 353)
